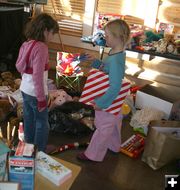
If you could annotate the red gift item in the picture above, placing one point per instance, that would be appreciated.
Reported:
(96, 85)
(68, 63)
(133, 146)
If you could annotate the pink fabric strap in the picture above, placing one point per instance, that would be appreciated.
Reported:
(28, 69)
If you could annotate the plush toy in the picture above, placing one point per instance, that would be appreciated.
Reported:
(177, 47)
(98, 39)
(57, 98)
(171, 48)
(20, 111)
(161, 46)
(5, 108)
(7, 79)
(151, 36)
(6, 75)
(167, 45)
(17, 83)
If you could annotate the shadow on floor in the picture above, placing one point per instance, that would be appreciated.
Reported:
(117, 171)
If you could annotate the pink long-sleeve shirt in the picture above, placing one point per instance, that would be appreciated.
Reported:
(35, 83)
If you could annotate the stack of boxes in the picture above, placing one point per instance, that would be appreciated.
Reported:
(22, 165)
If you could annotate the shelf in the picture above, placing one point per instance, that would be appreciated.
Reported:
(152, 54)
(143, 55)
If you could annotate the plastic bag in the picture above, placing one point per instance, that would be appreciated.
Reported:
(74, 118)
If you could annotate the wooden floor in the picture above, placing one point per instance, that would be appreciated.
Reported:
(117, 171)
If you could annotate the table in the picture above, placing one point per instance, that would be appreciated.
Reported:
(42, 183)
(151, 54)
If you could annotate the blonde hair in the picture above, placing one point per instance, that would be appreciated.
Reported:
(119, 29)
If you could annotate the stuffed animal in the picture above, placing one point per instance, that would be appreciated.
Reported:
(20, 111)
(57, 98)
(5, 108)
(161, 46)
(152, 36)
(98, 39)
(7, 79)
(6, 75)
(167, 45)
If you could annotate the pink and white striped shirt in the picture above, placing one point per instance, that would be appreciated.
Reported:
(34, 79)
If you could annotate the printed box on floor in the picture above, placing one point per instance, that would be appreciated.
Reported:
(3, 157)
(160, 98)
(22, 165)
(51, 169)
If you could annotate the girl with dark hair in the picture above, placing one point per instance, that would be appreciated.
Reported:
(32, 63)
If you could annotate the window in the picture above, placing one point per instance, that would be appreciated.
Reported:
(169, 13)
(76, 17)
(69, 14)
(134, 11)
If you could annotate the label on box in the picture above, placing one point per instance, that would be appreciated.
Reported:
(24, 149)
(133, 146)
(51, 169)
(22, 168)
(2, 166)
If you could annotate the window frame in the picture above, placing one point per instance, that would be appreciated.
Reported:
(87, 29)
(88, 25)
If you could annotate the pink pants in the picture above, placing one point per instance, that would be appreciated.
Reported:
(107, 135)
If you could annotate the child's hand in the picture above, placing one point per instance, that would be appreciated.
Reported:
(42, 106)
(41, 109)
(89, 57)
(97, 108)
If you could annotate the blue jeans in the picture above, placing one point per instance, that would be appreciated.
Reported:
(36, 125)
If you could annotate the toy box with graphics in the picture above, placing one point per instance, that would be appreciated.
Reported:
(51, 169)
(3, 156)
(22, 165)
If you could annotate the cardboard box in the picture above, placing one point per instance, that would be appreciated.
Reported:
(97, 84)
(9, 186)
(22, 165)
(160, 98)
(3, 159)
(133, 146)
(51, 169)
(163, 123)
(42, 182)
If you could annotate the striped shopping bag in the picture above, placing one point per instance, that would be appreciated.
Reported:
(96, 85)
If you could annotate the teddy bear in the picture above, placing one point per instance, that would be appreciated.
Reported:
(166, 45)
(7, 79)
(57, 98)
(20, 111)
(161, 46)
(5, 108)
